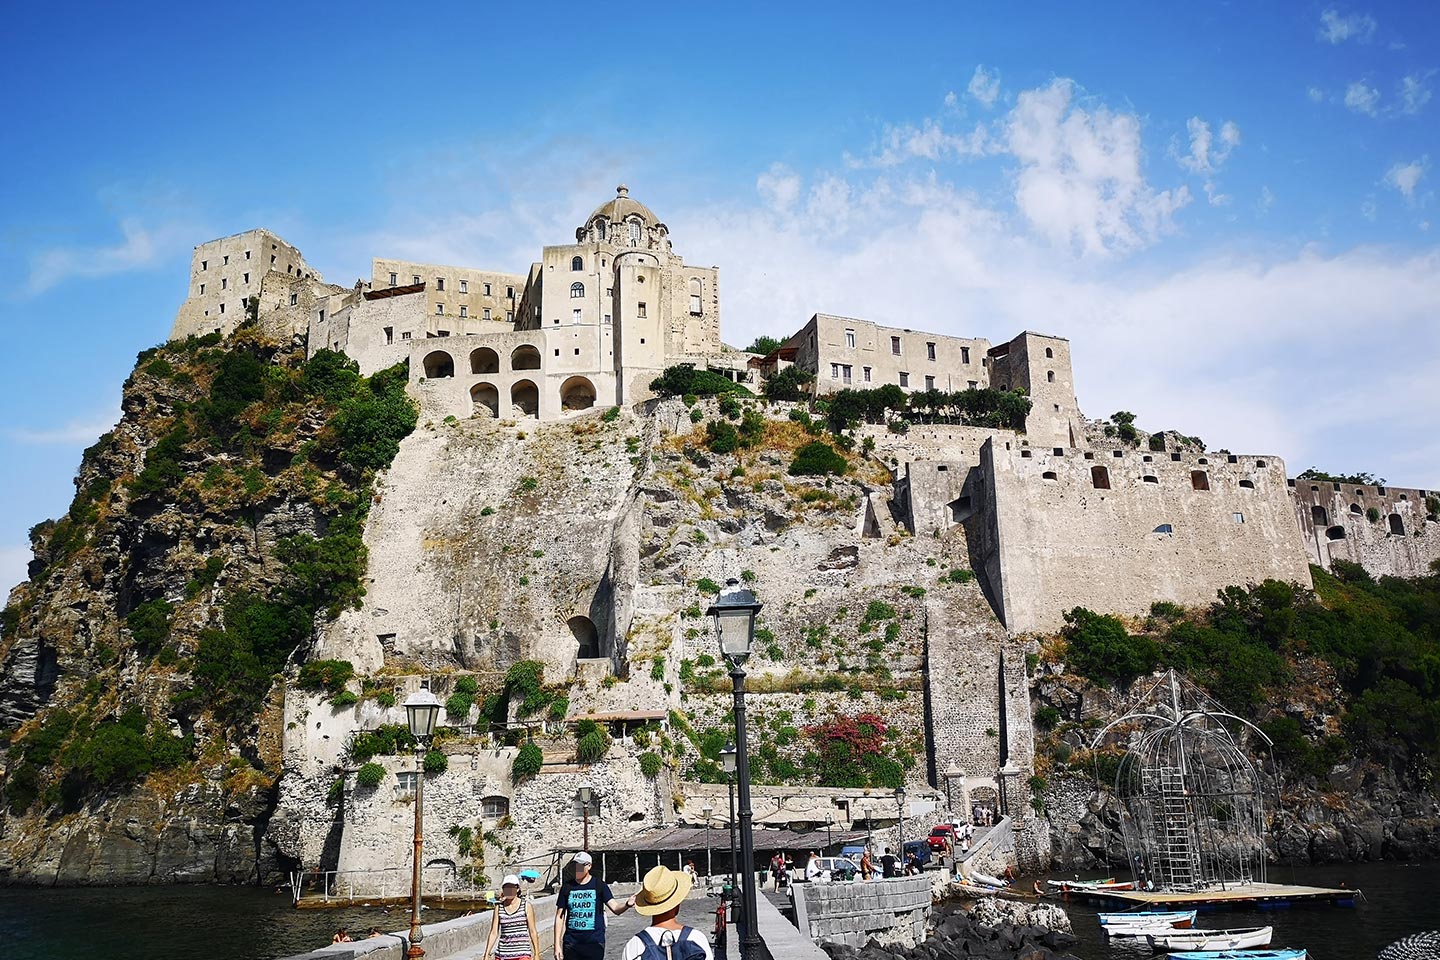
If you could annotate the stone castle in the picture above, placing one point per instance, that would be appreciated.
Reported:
(1058, 515)
(514, 526)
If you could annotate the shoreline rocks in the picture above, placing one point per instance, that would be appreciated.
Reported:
(991, 928)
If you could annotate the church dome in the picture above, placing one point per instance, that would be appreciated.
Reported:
(622, 208)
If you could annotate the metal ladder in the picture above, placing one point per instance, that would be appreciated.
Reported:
(1182, 860)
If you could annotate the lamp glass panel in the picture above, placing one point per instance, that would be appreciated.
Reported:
(733, 625)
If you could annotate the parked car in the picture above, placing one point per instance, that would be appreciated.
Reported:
(838, 868)
(942, 834)
(921, 849)
(855, 851)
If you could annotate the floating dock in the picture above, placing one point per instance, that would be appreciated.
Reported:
(1253, 896)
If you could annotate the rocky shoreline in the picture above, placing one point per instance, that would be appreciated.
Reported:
(988, 929)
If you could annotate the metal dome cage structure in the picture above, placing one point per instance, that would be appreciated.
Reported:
(1193, 796)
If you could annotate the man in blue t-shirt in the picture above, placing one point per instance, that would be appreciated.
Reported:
(580, 913)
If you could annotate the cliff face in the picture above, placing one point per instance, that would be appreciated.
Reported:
(210, 530)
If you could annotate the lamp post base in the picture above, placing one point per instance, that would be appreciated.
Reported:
(415, 952)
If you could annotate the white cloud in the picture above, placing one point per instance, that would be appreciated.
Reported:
(1369, 210)
(1337, 28)
(951, 99)
(1415, 91)
(928, 141)
(1362, 99)
(1080, 184)
(140, 247)
(779, 187)
(1266, 201)
(14, 562)
(1405, 177)
(984, 86)
(1315, 94)
(75, 433)
(1207, 154)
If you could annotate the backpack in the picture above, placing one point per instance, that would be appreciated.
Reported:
(683, 948)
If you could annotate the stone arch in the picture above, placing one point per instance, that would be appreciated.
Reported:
(1397, 525)
(1247, 484)
(1355, 509)
(985, 798)
(577, 263)
(1335, 533)
(484, 400)
(484, 360)
(577, 393)
(524, 399)
(1100, 478)
(525, 357)
(587, 638)
(439, 364)
(1319, 516)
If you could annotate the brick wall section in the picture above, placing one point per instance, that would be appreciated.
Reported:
(890, 911)
(1335, 524)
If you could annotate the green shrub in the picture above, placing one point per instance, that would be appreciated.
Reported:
(369, 775)
(1047, 717)
(960, 575)
(457, 705)
(528, 484)
(591, 745)
(721, 437)
(371, 422)
(1157, 441)
(527, 762)
(706, 585)
(696, 415)
(729, 407)
(611, 415)
(651, 764)
(345, 698)
(817, 458)
(329, 675)
(685, 380)
(765, 345)
(330, 376)
(788, 384)
(657, 669)
(467, 685)
(559, 709)
(1372, 514)
(386, 698)
(436, 762)
(386, 740)
(162, 470)
(1101, 649)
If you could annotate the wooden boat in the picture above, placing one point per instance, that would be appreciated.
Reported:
(1109, 883)
(1177, 940)
(1180, 919)
(986, 880)
(1240, 955)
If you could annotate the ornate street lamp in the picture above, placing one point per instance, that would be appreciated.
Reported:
(734, 615)
(583, 795)
(900, 822)
(708, 811)
(727, 763)
(421, 710)
(829, 825)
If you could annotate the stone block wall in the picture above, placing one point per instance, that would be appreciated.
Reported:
(893, 911)
(1336, 523)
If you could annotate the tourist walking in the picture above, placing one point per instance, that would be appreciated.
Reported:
(660, 896)
(512, 929)
(580, 913)
(867, 865)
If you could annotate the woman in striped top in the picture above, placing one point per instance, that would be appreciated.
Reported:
(512, 930)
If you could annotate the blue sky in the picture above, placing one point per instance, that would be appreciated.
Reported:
(1228, 208)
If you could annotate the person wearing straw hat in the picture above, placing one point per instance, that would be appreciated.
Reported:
(512, 929)
(580, 912)
(660, 897)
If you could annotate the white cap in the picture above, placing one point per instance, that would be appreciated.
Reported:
(510, 880)
(582, 857)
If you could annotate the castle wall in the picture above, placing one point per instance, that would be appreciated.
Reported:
(891, 355)
(453, 293)
(1061, 542)
(224, 272)
(1402, 540)
(1040, 365)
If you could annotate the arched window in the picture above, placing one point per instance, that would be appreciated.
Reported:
(577, 263)
(577, 393)
(1397, 525)
(695, 292)
(634, 231)
(524, 399)
(587, 640)
(1335, 533)
(525, 357)
(1049, 376)
(1150, 478)
(1100, 478)
(600, 228)
(484, 360)
(577, 290)
(484, 400)
(1247, 484)
(1355, 509)
(1048, 475)
(1319, 516)
(439, 364)
(1165, 529)
(1049, 353)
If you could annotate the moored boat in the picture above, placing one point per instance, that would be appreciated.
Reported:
(1149, 918)
(1240, 955)
(1211, 940)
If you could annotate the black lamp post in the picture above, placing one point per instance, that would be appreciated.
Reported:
(709, 871)
(900, 823)
(583, 795)
(829, 824)
(734, 614)
(727, 763)
(421, 710)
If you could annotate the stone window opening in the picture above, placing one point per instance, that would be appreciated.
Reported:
(464, 286)
(895, 346)
(575, 316)
(1175, 456)
(1355, 509)
(1058, 451)
(405, 335)
(960, 509)
(1026, 454)
(484, 360)
(1150, 478)
(1319, 516)
(1397, 525)
(1049, 376)
(247, 278)
(204, 264)
(1165, 529)
(1247, 484)
(1147, 458)
(524, 399)
(1199, 480)
(1260, 464)
(439, 309)
(865, 373)
(850, 339)
(1089, 455)
(587, 639)
(1335, 533)
(202, 288)
(405, 781)
(247, 254)
(904, 379)
(495, 808)
(415, 279)
(439, 364)
(634, 232)
(1238, 517)
(464, 311)
(222, 308)
(1049, 353)
(1203, 461)
(929, 351)
(1048, 475)
(439, 283)
(1119, 453)
(1100, 478)
(294, 299)
(525, 357)
(389, 335)
(577, 290)
(484, 400)
(1233, 459)
(695, 291)
(964, 354)
(577, 393)
(640, 310)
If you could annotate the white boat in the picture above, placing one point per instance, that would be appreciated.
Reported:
(1211, 939)
(1240, 955)
(985, 880)
(1148, 918)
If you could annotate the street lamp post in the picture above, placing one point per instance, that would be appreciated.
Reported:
(727, 763)
(900, 823)
(829, 825)
(708, 811)
(421, 710)
(584, 794)
(734, 615)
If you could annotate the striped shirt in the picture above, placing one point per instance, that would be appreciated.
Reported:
(514, 933)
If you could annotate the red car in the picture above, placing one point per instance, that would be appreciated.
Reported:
(942, 835)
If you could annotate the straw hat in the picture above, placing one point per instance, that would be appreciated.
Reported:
(662, 891)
